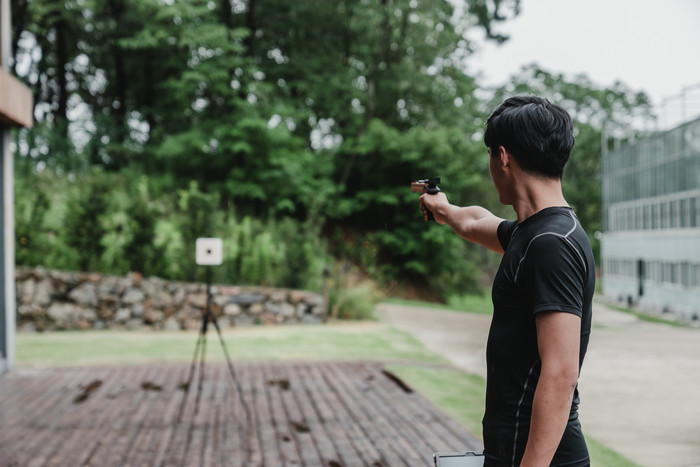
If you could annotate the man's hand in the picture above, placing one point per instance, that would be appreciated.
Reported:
(429, 186)
(433, 203)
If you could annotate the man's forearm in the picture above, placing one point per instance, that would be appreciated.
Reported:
(472, 223)
(475, 224)
(550, 414)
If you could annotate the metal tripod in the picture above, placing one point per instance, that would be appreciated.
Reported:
(199, 354)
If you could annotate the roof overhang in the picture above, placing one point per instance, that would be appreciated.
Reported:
(16, 102)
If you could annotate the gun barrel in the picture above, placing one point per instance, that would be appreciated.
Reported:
(417, 187)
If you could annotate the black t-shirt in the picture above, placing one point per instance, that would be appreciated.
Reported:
(548, 265)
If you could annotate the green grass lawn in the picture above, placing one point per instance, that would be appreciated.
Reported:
(472, 303)
(456, 393)
(343, 341)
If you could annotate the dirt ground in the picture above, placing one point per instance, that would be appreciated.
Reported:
(639, 385)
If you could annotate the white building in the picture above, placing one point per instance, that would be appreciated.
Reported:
(650, 248)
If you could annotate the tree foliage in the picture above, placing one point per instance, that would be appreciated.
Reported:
(292, 129)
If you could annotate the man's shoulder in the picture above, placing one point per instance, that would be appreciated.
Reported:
(548, 245)
(555, 222)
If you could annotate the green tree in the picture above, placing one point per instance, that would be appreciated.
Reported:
(83, 224)
(376, 85)
(32, 205)
(119, 83)
(46, 50)
(141, 250)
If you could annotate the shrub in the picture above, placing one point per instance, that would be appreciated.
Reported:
(351, 297)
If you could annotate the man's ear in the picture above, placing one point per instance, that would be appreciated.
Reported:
(504, 158)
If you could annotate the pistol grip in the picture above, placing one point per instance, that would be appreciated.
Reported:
(431, 190)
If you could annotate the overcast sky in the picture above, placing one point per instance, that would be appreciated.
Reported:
(650, 45)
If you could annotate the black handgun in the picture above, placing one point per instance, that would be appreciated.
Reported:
(427, 185)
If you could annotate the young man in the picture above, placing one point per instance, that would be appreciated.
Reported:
(542, 291)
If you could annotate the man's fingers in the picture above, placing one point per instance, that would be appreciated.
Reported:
(421, 204)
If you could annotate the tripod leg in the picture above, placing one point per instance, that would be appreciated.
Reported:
(246, 409)
(200, 384)
(186, 390)
(201, 349)
(186, 386)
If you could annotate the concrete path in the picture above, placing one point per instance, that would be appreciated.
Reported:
(640, 383)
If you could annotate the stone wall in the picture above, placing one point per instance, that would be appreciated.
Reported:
(59, 300)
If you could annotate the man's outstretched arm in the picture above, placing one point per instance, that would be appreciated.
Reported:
(473, 223)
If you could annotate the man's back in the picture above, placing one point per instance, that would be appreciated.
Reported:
(547, 266)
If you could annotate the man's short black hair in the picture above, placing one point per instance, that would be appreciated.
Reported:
(539, 134)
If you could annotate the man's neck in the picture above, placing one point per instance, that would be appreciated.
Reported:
(536, 194)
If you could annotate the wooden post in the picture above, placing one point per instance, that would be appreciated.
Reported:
(15, 110)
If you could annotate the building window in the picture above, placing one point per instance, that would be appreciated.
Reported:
(684, 215)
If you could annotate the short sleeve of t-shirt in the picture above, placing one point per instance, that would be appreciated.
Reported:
(552, 272)
(505, 232)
